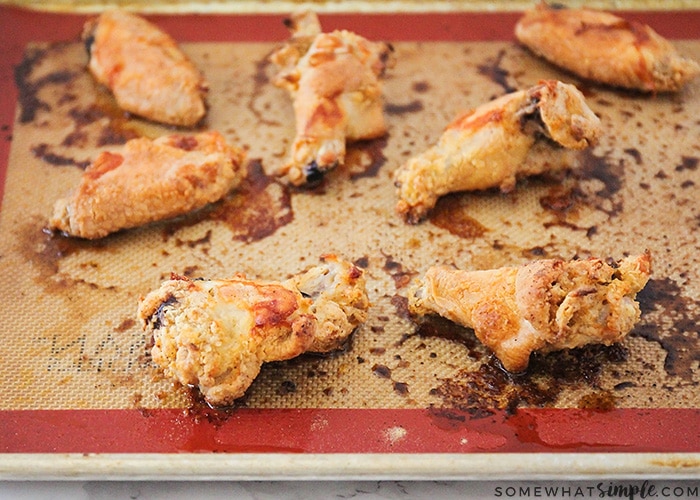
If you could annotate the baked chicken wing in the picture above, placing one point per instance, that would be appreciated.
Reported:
(216, 334)
(544, 306)
(149, 180)
(605, 48)
(145, 69)
(334, 81)
(519, 134)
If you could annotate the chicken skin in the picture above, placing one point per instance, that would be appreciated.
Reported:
(334, 81)
(216, 334)
(605, 48)
(149, 180)
(545, 305)
(522, 133)
(145, 69)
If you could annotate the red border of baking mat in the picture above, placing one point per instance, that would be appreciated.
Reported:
(325, 430)
(247, 430)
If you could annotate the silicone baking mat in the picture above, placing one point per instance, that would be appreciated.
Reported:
(81, 396)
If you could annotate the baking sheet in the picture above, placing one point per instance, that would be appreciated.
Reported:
(78, 377)
(285, 6)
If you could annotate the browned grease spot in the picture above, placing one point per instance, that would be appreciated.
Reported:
(395, 269)
(204, 241)
(258, 208)
(451, 214)
(260, 81)
(400, 304)
(670, 318)
(560, 199)
(287, 387)
(491, 387)
(115, 132)
(599, 400)
(535, 252)
(399, 109)
(564, 202)
(634, 153)
(488, 387)
(362, 262)
(117, 129)
(45, 249)
(400, 388)
(437, 327)
(86, 116)
(191, 271)
(28, 89)
(382, 371)
(126, 324)
(421, 86)
(687, 163)
(492, 69)
(76, 138)
(596, 184)
(601, 170)
(43, 152)
(365, 158)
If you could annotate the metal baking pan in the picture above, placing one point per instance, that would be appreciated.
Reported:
(81, 397)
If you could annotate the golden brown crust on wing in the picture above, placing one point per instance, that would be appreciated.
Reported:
(339, 300)
(144, 68)
(149, 180)
(543, 306)
(333, 79)
(493, 145)
(602, 47)
(216, 334)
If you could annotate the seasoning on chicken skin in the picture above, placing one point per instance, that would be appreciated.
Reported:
(149, 180)
(605, 48)
(216, 334)
(519, 134)
(145, 69)
(545, 305)
(334, 81)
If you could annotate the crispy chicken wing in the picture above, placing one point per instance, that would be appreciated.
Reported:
(605, 48)
(144, 68)
(149, 180)
(334, 81)
(519, 134)
(543, 306)
(216, 334)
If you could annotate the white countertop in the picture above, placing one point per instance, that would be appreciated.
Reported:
(309, 490)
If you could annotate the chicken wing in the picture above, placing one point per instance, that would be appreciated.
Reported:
(216, 334)
(334, 81)
(605, 48)
(149, 180)
(519, 134)
(544, 306)
(144, 68)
